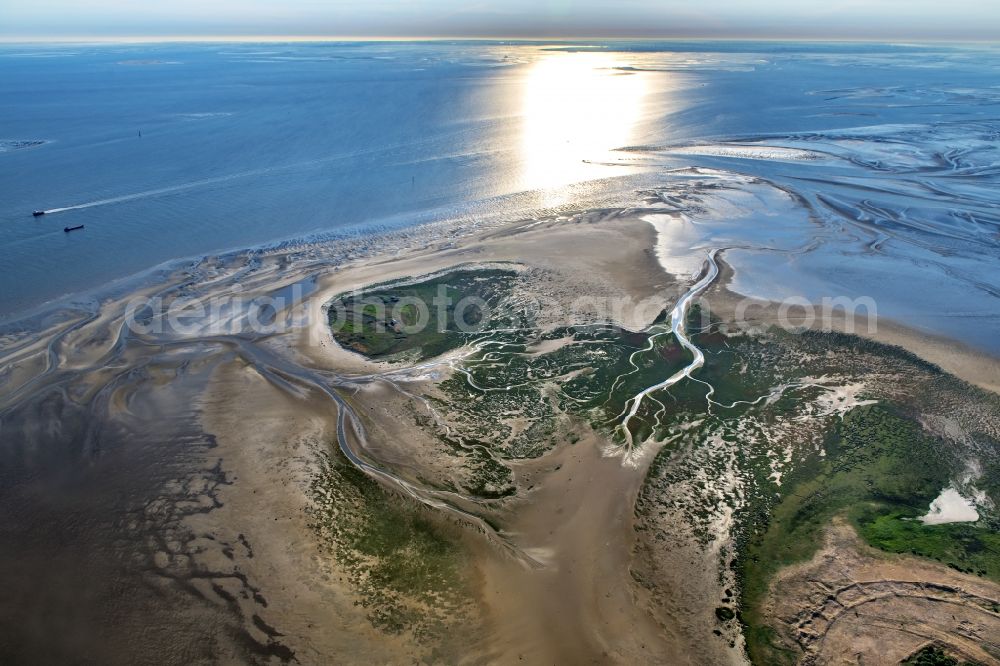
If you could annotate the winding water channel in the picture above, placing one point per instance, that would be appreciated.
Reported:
(678, 327)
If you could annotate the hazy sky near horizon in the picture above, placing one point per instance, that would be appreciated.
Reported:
(862, 19)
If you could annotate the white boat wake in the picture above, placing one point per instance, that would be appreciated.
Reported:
(152, 193)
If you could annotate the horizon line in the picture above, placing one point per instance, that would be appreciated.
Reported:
(266, 38)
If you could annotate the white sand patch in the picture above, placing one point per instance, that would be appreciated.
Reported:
(950, 507)
(842, 399)
(747, 152)
(836, 400)
(635, 457)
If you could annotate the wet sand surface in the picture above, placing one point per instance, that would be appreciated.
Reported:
(581, 604)
(157, 481)
(301, 601)
(163, 480)
(96, 488)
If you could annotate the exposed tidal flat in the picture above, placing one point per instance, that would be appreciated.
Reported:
(297, 472)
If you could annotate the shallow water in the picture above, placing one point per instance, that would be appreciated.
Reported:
(250, 144)
(181, 150)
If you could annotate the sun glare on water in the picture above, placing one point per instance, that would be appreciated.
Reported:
(578, 108)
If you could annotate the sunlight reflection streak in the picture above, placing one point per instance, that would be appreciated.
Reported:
(578, 108)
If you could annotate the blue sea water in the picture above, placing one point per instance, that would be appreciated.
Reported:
(176, 150)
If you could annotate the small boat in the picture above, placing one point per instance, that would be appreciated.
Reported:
(69, 229)
(38, 213)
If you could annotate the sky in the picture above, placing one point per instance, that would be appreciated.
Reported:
(807, 19)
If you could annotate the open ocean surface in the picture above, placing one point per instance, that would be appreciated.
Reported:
(180, 150)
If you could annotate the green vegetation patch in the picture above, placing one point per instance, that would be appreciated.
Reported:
(408, 570)
(619, 365)
(876, 463)
(424, 319)
(796, 465)
(490, 478)
(516, 402)
(963, 546)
